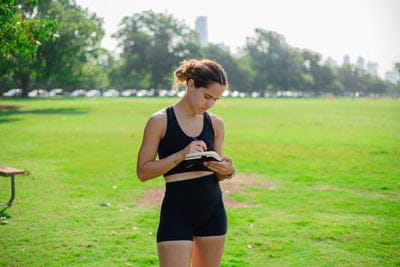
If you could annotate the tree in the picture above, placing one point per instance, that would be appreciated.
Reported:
(375, 85)
(239, 73)
(152, 45)
(397, 67)
(277, 65)
(351, 78)
(66, 59)
(72, 59)
(324, 80)
(21, 36)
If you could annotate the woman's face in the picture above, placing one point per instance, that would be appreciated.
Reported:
(202, 99)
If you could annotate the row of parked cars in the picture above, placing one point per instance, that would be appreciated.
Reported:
(92, 92)
(106, 93)
(133, 92)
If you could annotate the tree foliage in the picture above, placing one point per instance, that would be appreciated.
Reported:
(152, 46)
(397, 67)
(50, 43)
(275, 63)
(21, 36)
(239, 72)
(56, 43)
(71, 60)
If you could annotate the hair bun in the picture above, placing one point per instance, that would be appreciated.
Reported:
(203, 72)
(182, 74)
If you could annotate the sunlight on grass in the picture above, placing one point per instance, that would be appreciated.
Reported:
(334, 167)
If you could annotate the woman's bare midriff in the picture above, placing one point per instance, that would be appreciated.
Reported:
(186, 176)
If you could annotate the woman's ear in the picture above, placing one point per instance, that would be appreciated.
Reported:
(190, 84)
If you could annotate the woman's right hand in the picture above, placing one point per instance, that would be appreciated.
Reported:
(194, 147)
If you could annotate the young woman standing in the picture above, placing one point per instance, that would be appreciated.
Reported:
(193, 221)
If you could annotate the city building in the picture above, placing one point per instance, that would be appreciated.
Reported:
(201, 28)
(360, 63)
(224, 47)
(330, 62)
(372, 68)
(346, 60)
(392, 76)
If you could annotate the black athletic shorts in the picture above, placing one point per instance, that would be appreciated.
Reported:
(192, 208)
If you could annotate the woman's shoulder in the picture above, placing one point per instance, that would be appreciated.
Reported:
(157, 119)
(159, 114)
(216, 121)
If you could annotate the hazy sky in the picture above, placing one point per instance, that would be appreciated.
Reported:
(333, 28)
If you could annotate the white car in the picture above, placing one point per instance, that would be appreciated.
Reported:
(145, 92)
(129, 92)
(93, 93)
(111, 93)
(38, 93)
(56, 92)
(78, 92)
(168, 93)
(13, 92)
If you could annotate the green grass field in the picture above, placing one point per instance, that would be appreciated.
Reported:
(335, 167)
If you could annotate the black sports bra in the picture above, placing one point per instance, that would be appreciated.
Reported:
(175, 140)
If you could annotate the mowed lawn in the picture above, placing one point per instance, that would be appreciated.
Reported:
(333, 167)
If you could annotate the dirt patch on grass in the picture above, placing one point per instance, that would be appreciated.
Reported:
(152, 197)
(9, 107)
(239, 183)
(322, 187)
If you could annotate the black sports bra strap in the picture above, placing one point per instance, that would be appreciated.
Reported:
(207, 118)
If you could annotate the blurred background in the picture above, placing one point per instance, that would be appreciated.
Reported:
(269, 48)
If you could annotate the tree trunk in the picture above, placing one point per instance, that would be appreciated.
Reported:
(25, 80)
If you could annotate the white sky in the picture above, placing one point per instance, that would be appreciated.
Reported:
(333, 28)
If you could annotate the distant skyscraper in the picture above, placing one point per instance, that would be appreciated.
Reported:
(360, 63)
(372, 68)
(392, 76)
(224, 47)
(202, 29)
(330, 62)
(346, 60)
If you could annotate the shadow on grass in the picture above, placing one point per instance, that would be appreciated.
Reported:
(6, 120)
(3, 215)
(11, 110)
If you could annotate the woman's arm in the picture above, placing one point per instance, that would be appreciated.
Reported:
(225, 168)
(147, 166)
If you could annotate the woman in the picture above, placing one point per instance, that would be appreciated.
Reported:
(192, 223)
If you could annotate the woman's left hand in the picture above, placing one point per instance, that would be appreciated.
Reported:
(223, 167)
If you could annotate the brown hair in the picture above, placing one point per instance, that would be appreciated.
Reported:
(202, 72)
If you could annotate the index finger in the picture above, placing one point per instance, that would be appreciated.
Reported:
(226, 158)
(202, 144)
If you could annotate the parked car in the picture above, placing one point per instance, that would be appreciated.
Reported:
(226, 93)
(181, 93)
(13, 92)
(56, 92)
(38, 93)
(168, 93)
(93, 93)
(78, 92)
(129, 92)
(145, 92)
(237, 94)
(111, 93)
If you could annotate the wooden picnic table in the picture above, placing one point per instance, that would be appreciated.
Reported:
(10, 172)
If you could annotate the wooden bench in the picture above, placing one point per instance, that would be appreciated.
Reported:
(10, 172)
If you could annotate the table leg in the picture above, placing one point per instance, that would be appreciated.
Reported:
(12, 193)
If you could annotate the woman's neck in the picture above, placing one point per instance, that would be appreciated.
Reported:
(183, 107)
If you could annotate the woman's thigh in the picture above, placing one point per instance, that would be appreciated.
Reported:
(175, 253)
(208, 250)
